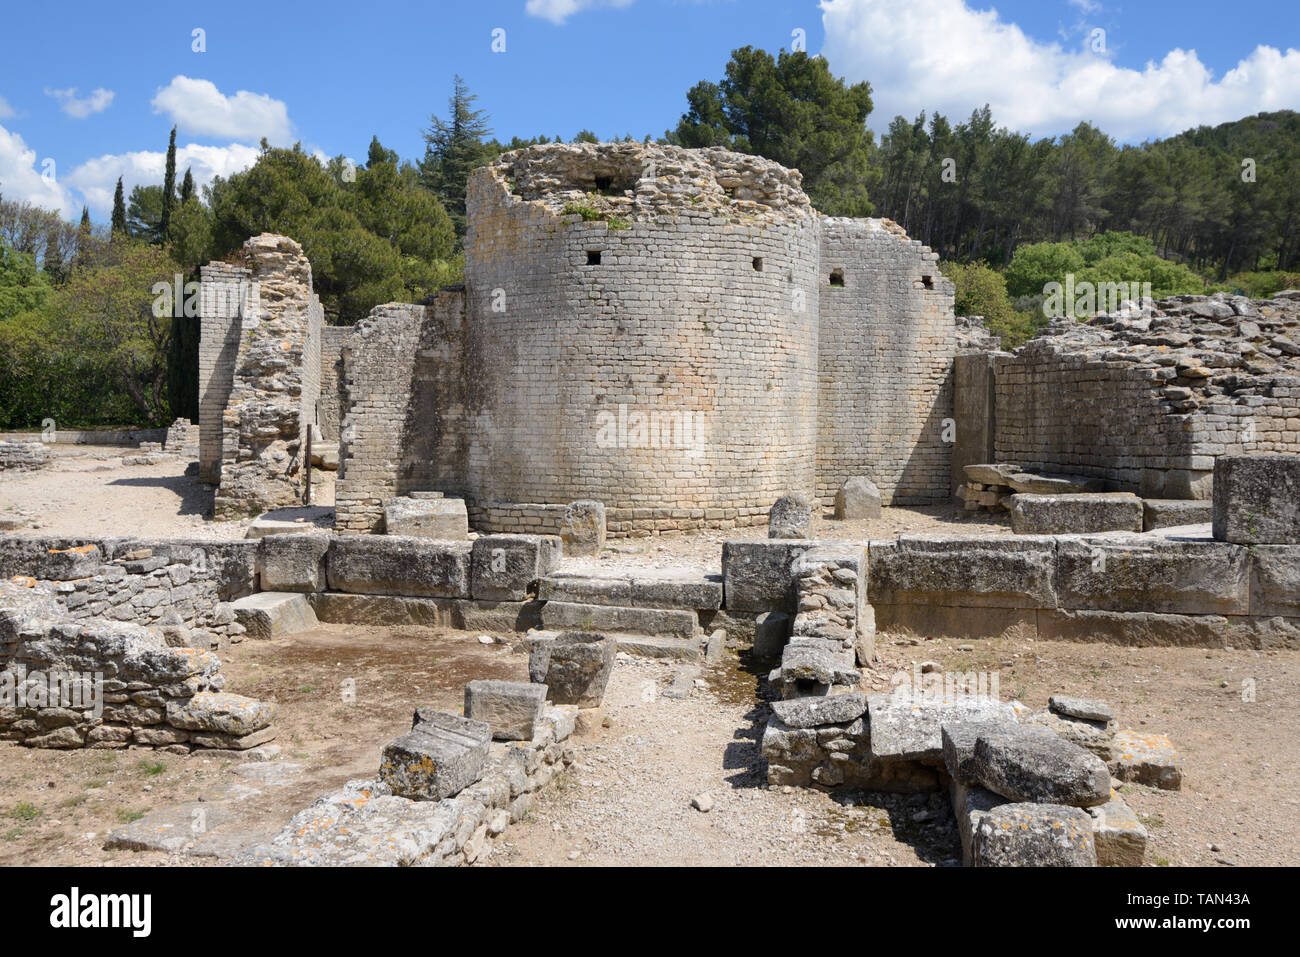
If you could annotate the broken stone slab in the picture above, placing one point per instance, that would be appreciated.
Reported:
(1037, 768)
(440, 756)
(292, 562)
(565, 616)
(814, 666)
(170, 829)
(219, 741)
(1075, 514)
(1175, 513)
(1049, 484)
(1257, 499)
(504, 567)
(857, 498)
(907, 726)
(511, 708)
(1119, 836)
(270, 614)
(959, 737)
(759, 576)
(817, 711)
(582, 528)
(574, 665)
(1033, 835)
(1149, 759)
(1095, 736)
(393, 565)
(989, 474)
(790, 517)
(440, 518)
(222, 712)
(1087, 709)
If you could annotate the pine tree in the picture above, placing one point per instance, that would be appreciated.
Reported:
(169, 190)
(452, 149)
(118, 229)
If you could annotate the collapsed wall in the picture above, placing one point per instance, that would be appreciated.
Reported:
(643, 330)
(1148, 402)
(275, 383)
(886, 348)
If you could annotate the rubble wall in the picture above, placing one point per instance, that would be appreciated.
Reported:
(886, 346)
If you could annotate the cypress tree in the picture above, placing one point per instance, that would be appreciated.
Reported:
(169, 190)
(187, 187)
(118, 228)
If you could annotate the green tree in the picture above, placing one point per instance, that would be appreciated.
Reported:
(793, 110)
(144, 213)
(168, 191)
(454, 147)
(22, 285)
(119, 227)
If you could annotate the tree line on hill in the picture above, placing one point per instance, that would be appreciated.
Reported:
(1211, 208)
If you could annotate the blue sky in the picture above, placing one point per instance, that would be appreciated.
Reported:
(96, 88)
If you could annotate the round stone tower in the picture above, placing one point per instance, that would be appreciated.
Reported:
(642, 329)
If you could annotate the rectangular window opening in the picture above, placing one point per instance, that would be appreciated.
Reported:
(593, 257)
(758, 264)
(837, 277)
(927, 282)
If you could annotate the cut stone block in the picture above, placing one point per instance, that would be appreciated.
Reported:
(1175, 512)
(959, 737)
(790, 517)
(1095, 736)
(575, 666)
(582, 529)
(970, 803)
(511, 708)
(759, 576)
(440, 756)
(440, 518)
(1275, 580)
(697, 593)
(391, 565)
(995, 572)
(814, 666)
(1257, 499)
(293, 520)
(1040, 769)
(771, 632)
(658, 646)
(270, 614)
(1152, 575)
(1045, 484)
(586, 591)
(562, 616)
(815, 712)
(504, 567)
(1120, 838)
(1148, 759)
(292, 562)
(858, 498)
(1033, 835)
(220, 712)
(909, 727)
(1076, 514)
(1089, 709)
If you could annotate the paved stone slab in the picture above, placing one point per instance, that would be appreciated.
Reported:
(1257, 499)
(1033, 835)
(659, 646)
(907, 726)
(565, 616)
(1075, 514)
(440, 756)
(1120, 838)
(169, 829)
(1175, 512)
(511, 708)
(1037, 768)
(270, 614)
(1149, 759)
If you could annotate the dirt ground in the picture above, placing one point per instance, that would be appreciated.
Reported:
(627, 799)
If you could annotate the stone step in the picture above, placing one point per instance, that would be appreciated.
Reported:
(270, 614)
(659, 646)
(577, 616)
(681, 593)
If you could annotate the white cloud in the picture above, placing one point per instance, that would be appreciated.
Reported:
(96, 178)
(942, 55)
(199, 108)
(557, 11)
(21, 179)
(1087, 6)
(6, 110)
(82, 107)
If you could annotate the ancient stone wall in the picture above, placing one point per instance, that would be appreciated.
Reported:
(1148, 402)
(23, 456)
(275, 383)
(886, 346)
(643, 330)
(329, 406)
(224, 291)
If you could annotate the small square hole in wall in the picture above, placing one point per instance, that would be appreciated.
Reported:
(837, 277)
(758, 264)
(604, 182)
(593, 257)
(927, 282)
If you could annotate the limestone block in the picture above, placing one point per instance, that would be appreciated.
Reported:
(1149, 759)
(1152, 575)
(790, 517)
(1039, 768)
(561, 616)
(440, 756)
(292, 562)
(585, 591)
(1174, 512)
(1076, 514)
(858, 498)
(965, 571)
(1119, 836)
(504, 567)
(677, 592)
(906, 725)
(582, 529)
(393, 565)
(815, 712)
(575, 666)
(440, 518)
(511, 708)
(1257, 499)
(270, 614)
(1033, 835)
(1275, 580)
(759, 576)
(220, 712)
